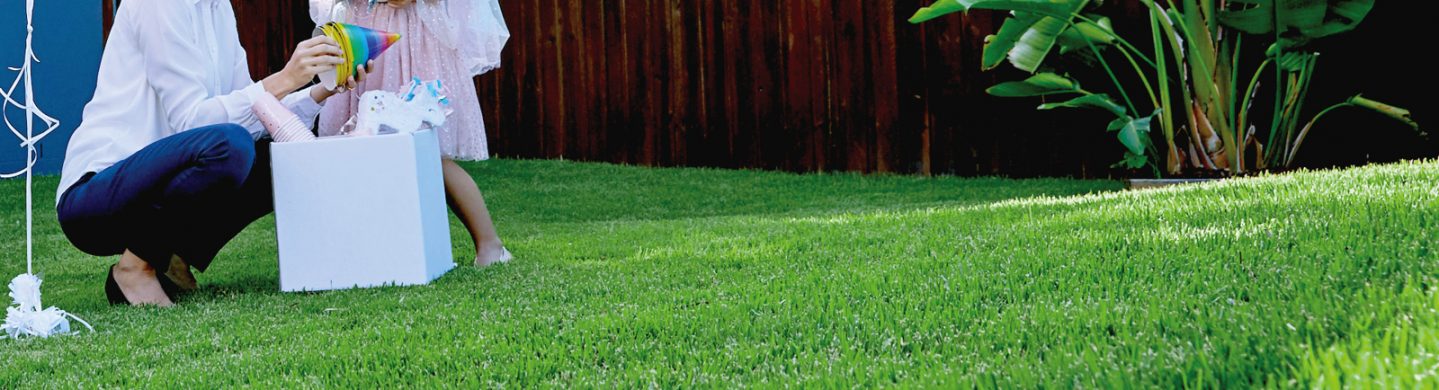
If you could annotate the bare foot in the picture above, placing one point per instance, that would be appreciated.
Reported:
(180, 274)
(137, 281)
(492, 256)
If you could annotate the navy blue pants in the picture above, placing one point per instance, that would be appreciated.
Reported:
(186, 195)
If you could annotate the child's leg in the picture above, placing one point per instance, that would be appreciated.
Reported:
(467, 202)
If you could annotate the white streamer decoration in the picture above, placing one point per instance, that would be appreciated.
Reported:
(26, 318)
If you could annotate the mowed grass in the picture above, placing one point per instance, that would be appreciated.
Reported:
(630, 277)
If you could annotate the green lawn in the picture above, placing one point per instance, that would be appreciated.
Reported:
(630, 277)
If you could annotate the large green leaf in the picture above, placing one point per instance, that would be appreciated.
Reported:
(1342, 16)
(1299, 20)
(945, 7)
(1037, 85)
(1100, 101)
(998, 46)
(1397, 113)
(1099, 32)
(1036, 43)
(939, 8)
(1132, 132)
(1027, 38)
(1250, 16)
(1046, 7)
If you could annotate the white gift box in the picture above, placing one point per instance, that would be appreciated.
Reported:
(360, 212)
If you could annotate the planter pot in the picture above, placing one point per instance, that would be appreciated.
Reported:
(1139, 184)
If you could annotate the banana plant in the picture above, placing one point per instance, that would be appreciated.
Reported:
(1190, 75)
(1293, 25)
(1035, 29)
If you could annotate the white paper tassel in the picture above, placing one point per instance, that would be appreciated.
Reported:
(26, 318)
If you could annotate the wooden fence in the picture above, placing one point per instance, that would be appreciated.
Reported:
(799, 85)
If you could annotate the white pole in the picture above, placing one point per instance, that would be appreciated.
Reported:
(29, 137)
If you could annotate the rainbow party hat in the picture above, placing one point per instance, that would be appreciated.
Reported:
(359, 44)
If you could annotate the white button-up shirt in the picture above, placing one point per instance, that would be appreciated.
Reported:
(169, 66)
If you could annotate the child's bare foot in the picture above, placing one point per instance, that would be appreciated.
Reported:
(179, 273)
(492, 256)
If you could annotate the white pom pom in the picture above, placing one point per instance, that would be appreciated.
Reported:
(26, 318)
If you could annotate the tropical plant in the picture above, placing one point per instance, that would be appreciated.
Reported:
(1193, 85)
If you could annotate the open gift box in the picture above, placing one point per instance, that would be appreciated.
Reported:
(360, 212)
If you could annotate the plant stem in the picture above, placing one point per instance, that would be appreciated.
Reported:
(1121, 40)
(1234, 100)
(1202, 63)
(1303, 133)
(1291, 93)
(1244, 107)
(1309, 68)
(1148, 88)
(1165, 107)
(1112, 77)
(1300, 85)
(1279, 88)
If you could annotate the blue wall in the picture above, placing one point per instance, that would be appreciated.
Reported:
(68, 42)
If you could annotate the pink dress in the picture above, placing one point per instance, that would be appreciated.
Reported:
(448, 40)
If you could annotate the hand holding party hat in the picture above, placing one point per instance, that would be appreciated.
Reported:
(359, 44)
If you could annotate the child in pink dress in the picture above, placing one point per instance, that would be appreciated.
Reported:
(448, 40)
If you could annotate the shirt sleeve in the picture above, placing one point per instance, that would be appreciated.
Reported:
(300, 102)
(175, 67)
(303, 105)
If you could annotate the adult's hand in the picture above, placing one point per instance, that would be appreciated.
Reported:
(312, 57)
(361, 71)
